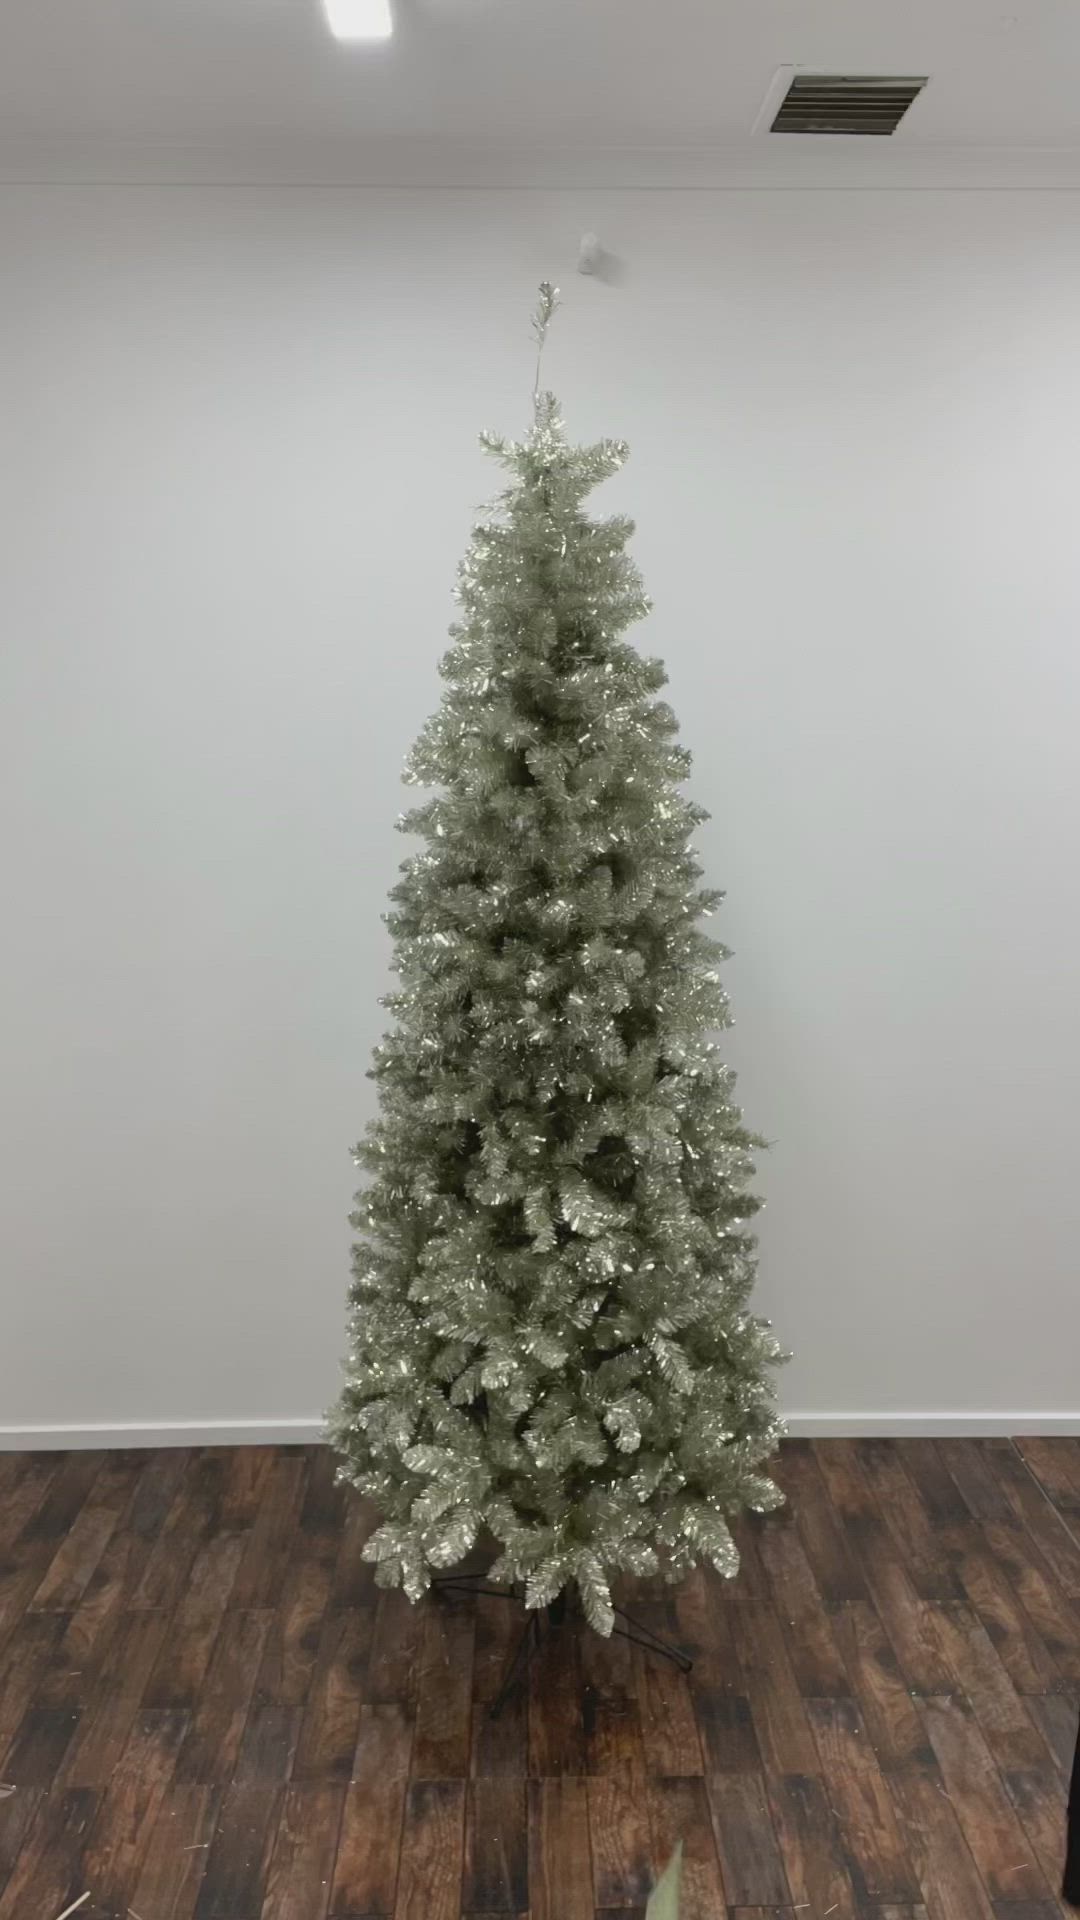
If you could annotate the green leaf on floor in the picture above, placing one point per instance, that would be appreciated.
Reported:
(664, 1898)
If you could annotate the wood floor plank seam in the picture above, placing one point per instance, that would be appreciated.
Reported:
(1068, 1518)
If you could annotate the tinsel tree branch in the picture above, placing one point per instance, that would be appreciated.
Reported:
(543, 314)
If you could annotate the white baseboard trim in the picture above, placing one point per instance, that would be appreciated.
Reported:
(263, 1433)
(940, 1426)
(164, 1433)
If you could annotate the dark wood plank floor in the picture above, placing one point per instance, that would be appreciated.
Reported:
(209, 1712)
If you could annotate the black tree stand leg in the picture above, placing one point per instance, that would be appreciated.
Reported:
(550, 1617)
(518, 1664)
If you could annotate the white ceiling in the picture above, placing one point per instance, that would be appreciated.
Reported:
(566, 92)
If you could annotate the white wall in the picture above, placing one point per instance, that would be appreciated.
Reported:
(239, 469)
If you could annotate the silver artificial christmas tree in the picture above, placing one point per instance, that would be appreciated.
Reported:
(550, 1339)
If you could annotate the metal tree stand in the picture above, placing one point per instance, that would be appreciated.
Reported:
(542, 1620)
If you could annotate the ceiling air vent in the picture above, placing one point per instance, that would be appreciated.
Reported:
(845, 103)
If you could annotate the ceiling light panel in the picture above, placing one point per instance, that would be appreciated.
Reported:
(359, 19)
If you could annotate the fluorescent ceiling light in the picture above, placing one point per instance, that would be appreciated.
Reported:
(359, 19)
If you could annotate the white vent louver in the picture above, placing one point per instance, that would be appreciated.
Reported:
(845, 103)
